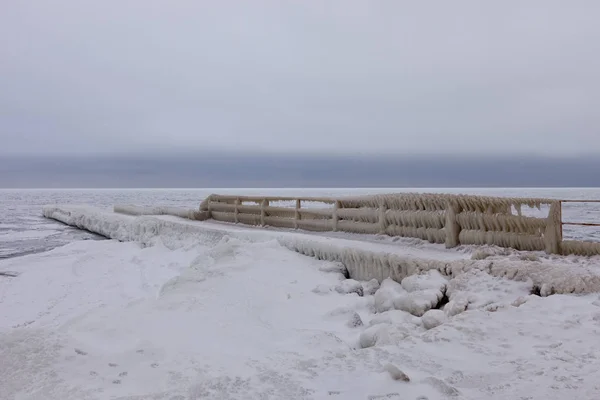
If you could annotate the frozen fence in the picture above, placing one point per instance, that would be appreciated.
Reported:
(438, 218)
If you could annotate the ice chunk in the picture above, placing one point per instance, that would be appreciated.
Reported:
(335, 267)
(354, 321)
(546, 290)
(370, 287)
(349, 286)
(456, 306)
(481, 290)
(433, 318)
(429, 280)
(381, 335)
(385, 295)
(418, 303)
(396, 373)
(368, 337)
(519, 301)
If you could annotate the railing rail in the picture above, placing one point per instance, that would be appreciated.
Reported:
(580, 201)
(580, 223)
(592, 224)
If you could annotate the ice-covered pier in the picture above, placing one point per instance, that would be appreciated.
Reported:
(371, 236)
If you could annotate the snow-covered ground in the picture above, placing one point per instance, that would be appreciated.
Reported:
(188, 313)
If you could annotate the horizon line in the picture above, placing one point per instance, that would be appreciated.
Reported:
(307, 188)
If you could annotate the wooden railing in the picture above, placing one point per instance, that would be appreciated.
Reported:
(438, 218)
(578, 223)
(577, 246)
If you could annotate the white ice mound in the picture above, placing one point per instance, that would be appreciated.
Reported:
(433, 318)
(335, 267)
(418, 303)
(456, 306)
(370, 287)
(476, 289)
(384, 297)
(416, 294)
(383, 334)
(430, 280)
(390, 327)
(349, 286)
(391, 295)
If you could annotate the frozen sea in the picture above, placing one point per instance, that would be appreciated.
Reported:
(218, 313)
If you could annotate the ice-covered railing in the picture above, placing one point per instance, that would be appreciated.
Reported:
(437, 218)
(578, 246)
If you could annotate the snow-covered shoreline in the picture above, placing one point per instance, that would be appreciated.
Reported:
(182, 312)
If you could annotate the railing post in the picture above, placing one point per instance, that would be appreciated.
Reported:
(263, 212)
(560, 238)
(237, 211)
(205, 207)
(334, 216)
(382, 217)
(553, 233)
(451, 227)
(297, 213)
(205, 204)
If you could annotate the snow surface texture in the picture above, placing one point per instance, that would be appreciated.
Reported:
(363, 261)
(198, 312)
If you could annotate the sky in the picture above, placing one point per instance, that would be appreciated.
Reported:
(299, 77)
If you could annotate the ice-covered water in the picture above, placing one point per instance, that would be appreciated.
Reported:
(23, 230)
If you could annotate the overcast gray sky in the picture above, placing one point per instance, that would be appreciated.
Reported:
(300, 76)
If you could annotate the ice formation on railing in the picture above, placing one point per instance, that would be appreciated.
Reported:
(437, 218)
